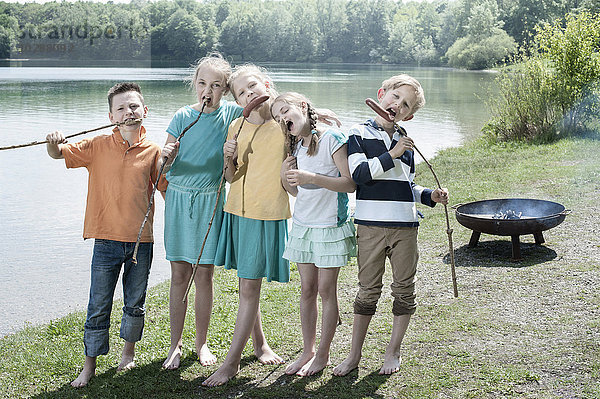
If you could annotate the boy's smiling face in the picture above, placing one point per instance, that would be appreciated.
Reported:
(399, 102)
(126, 106)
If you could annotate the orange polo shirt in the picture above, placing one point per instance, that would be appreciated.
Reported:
(119, 184)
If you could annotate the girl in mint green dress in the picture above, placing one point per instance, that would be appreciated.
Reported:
(190, 199)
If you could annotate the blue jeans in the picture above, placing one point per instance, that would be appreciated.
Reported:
(107, 260)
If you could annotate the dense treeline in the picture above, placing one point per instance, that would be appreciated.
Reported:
(467, 33)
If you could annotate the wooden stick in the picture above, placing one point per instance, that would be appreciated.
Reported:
(212, 218)
(160, 172)
(221, 183)
(246, 113)
(385, 115)
(129, 122)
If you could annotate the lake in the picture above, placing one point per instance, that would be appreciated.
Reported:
(44, 262)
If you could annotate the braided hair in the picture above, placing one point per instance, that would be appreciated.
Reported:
(297, 99)
(314, 137)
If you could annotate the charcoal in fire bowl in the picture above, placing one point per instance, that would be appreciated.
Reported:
(510, 217)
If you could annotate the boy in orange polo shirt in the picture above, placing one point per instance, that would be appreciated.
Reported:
(122, 168)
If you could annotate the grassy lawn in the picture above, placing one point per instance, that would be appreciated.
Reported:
(528, 329)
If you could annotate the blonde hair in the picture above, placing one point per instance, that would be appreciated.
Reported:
(296, 99)
(212, 60)
(401, 80)
(256, 71)
(261, 75)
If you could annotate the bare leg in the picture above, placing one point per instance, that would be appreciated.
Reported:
(244, 324)
(309, 279)
(127, 357)
(262, 350)
(89, 370)
(203, 308)
(180, 275)
(359, 332)
(329, 320)
(391, 361)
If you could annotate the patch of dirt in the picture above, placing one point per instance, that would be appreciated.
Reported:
(541, 314)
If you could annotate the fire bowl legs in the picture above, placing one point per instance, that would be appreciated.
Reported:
(516, 244)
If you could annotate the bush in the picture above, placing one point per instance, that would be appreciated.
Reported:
(554, 91)
(522, 108)
(479, 53)
(573, 52)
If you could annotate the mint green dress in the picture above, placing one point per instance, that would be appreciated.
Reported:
(193, 183)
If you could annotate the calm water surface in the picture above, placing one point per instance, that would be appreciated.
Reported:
(44, 262)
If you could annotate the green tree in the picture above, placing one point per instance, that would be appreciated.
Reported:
(367, 31)
(485, 43)
(241, 32)
(522, 16)
(8, 32)
(414, 32)
(188, 37)
(331, 23)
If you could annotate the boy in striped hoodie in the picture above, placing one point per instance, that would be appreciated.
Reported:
(381, 161)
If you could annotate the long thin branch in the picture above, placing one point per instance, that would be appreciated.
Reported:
(129, 122)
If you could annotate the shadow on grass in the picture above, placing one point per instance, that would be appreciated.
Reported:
(498, 253)
(149, 381)
(292, 386)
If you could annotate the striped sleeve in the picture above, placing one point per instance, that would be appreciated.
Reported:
(365, 169)
(422, 195)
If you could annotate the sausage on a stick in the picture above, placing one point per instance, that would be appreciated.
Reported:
(386, 115)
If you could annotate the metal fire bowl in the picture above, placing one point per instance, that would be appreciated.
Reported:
(537, 216)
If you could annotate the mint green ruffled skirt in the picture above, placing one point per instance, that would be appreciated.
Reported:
(325, 247)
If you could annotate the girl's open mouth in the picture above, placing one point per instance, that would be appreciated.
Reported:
(289, 125)
(391, 112)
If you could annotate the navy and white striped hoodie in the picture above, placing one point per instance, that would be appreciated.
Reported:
(385, 192)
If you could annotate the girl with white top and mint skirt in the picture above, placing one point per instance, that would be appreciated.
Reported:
(322, 238)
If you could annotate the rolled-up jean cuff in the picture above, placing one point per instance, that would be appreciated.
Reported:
(132, 327)
(400, 309)
(95, 341)
(364, 309)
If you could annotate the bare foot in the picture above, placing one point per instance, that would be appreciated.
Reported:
(173, 358)
(346, 366)
(266, 355)
(222, 375)
(390, 365)
(316, 365)
(205, 356)
(299, 363)
(126, 364)
(127, 357)
(89, 370)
